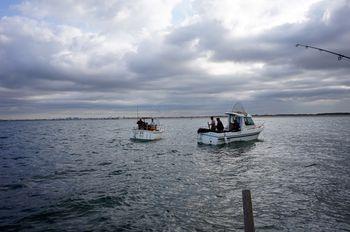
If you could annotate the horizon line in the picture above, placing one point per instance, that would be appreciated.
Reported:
(175, 117)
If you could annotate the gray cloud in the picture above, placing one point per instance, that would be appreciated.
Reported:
(49, 63)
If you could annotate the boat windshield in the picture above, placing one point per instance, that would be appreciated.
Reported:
(248, 121)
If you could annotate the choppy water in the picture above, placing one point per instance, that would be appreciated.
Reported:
(88, 175)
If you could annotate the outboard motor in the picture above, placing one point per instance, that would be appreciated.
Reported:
(203, 130)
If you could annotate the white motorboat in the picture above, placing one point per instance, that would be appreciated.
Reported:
(148, 129)
(240, 127)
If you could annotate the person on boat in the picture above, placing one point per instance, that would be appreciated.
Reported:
(140, 124)
(235, 125)
(219, 125)
(144, 125)
(147, 126)
(152, 125)
(231, 124)
(212, 125)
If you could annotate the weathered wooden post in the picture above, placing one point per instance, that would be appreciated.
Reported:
(248, 211)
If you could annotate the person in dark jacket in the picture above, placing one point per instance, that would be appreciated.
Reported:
(219, 125)
(236, 125)
(140, 124)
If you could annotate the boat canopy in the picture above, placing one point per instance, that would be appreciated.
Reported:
(238, 110)
(238, 114)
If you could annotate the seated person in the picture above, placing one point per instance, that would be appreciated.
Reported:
(211, 125)
(219, 125)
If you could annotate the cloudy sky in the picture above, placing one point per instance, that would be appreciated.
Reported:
(95, 58)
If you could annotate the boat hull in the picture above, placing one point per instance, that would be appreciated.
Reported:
(214, 138)
(146, 135)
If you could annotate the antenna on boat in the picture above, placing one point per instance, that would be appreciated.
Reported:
(137, 111)
(340, 56)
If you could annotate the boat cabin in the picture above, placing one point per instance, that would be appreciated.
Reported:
(147, 123)
(237, 121)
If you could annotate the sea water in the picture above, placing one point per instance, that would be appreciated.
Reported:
(80, 175)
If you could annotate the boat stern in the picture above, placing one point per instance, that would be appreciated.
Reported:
(208, 138)
(145, 135)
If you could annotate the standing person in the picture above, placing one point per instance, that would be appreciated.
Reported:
(140, 123)
(152, 124)
(231, 124)
(236, 125)
(212, 126)
(219, 125)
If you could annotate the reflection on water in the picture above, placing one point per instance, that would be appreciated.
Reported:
(88, 175)
(231, 149)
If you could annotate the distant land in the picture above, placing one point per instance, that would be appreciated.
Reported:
(303, 115)
(179, 117)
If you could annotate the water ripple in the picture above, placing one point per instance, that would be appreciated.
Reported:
(88, 175)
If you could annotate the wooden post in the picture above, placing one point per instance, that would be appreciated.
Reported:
(248, 211)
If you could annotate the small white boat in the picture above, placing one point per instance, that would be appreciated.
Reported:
(147, 130)
(240, 127)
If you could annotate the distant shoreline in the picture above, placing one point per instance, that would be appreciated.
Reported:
(183, 117)
(302, 115)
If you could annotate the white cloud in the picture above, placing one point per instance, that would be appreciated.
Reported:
(252, 16)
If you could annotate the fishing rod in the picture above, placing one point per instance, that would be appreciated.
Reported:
(340, 56)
